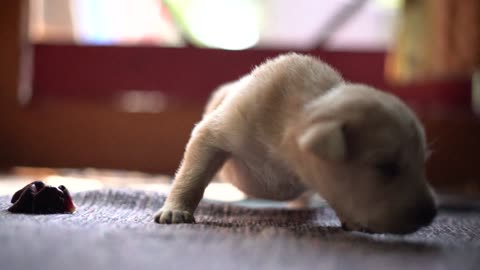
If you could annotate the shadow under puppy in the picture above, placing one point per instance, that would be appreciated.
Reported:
(294, 125)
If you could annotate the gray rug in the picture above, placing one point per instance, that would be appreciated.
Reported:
(113, 229)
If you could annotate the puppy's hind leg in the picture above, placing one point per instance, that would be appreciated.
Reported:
(202, 159)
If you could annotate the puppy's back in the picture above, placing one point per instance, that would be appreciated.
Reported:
(274, 91)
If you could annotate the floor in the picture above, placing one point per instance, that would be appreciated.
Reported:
(113, 228)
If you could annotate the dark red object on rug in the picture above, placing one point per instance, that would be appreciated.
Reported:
(38, 198)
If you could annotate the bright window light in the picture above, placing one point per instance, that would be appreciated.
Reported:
(231, 25)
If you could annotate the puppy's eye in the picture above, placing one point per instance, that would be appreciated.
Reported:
(388, 168)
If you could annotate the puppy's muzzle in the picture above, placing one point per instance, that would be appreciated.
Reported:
(409, 222)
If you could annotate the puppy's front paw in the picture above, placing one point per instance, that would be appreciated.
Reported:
(164, 216)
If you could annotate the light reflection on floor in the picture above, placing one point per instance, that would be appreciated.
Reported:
(80, 180)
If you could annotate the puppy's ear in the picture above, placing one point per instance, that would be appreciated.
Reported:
(325, 139)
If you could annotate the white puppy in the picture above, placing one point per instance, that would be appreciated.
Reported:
(293, 124)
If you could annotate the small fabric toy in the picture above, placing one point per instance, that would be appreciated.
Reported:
(38, 198)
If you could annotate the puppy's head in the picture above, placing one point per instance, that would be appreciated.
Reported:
(365, 155)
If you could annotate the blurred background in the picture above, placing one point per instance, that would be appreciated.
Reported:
(119, 84)
(232, 25)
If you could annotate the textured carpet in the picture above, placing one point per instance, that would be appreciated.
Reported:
(113, 229)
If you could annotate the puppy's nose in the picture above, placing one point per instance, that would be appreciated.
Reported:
(425, 215)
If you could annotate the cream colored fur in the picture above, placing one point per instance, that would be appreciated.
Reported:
(294, 125)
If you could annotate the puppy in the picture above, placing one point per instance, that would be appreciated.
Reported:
(293, 125)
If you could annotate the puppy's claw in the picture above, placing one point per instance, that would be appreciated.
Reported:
(173, 217)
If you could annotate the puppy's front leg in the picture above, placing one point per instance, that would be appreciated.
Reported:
(201, 161)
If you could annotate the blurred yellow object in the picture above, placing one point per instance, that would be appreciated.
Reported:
(436, 39)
